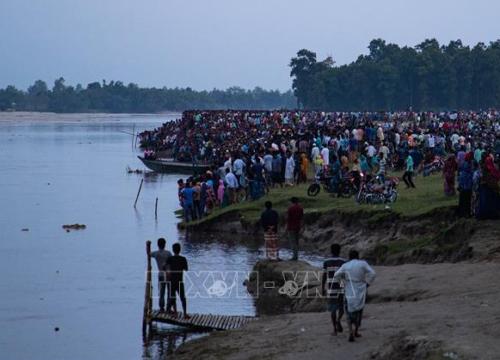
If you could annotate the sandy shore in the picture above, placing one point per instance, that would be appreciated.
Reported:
(439, 311)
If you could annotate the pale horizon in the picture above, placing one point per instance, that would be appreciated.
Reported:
(217, 44)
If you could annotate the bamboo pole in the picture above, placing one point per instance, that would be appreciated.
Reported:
(138, 192)
(147, 292)
(156, 209)
(133, 136)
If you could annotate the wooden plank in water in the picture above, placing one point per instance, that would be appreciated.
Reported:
(216, 321)
(208, 320)
(203, 320)
(242, 321)
(194, 319)
(226, 322)
(222, 323)
(232, 322)
(238, 322)
(211, 323)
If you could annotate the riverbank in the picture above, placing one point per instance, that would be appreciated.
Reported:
(439, 311)
(411, 202)
(18, 116)
(433, 298)
(421, 227)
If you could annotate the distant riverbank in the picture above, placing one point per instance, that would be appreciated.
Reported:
(77, 117)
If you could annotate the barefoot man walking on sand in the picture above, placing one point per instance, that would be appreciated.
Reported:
(356, 275)
(332, 287)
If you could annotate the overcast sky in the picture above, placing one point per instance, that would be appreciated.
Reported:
(215, 43)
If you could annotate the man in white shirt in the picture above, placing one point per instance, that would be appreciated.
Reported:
(268, 163)
(371, 151)
(397, 139)
(238, 168)
(232, 185)
(314, 152)
(227, 163)
(384, 150)
(356, 275)
(325, 154)
(432, 141)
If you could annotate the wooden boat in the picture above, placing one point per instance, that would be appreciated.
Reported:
(167, 166)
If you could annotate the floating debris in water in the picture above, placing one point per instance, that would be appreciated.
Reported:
(25, 229)
(132, 171)
(56, 329)
(74, 227)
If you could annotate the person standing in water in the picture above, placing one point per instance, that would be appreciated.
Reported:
(295, 217)
(161, 256)
(356, 275)
(177, 265)
(332, 288)
(269, 220)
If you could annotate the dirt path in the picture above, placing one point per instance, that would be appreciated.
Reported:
(439, 311)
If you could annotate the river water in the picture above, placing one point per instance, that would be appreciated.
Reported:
(65, 169)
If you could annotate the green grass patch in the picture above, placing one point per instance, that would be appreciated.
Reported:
(427, 196)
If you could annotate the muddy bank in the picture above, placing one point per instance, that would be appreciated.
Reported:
(286, 286)
(295, 286)
(383, 236)
(416, 312)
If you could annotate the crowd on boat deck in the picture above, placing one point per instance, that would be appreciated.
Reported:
(250, 151)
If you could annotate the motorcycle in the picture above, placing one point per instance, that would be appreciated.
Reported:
(376, 191)
(349, 185)
(433, 167)
(320, 179)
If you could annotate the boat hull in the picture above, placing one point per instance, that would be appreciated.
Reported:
(173, 167)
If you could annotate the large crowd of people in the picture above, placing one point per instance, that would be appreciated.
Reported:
(251, 151)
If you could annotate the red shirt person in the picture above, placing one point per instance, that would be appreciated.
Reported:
(295, 217)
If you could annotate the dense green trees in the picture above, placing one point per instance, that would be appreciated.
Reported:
(428, 76)
(117, 97)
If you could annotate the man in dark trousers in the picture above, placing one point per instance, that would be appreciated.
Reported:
(295, 217)
(161, 256)
(177, 264)
(270, 220)
(332, 288)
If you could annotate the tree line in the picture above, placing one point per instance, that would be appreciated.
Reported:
(116, 97)
(428, 76)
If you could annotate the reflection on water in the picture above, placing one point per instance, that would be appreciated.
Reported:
(90, 283)
(162, 341)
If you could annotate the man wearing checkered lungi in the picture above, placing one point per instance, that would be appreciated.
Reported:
(270, 221)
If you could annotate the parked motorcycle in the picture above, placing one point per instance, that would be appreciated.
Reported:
(376, 191)
(433, 167)
(320, 180)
